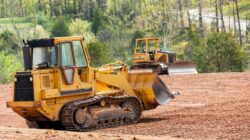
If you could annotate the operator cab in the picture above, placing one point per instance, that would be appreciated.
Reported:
(48, 55)
(147, 46)
(67, 54)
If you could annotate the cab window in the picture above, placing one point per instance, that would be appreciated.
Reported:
(80, 58)
(45, 55)
(141, 46)
(67, 55)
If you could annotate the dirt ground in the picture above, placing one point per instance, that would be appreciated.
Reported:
(211, 106)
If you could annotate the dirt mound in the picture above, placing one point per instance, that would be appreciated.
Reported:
(211, 106)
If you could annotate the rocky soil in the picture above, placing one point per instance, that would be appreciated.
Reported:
(211, 106)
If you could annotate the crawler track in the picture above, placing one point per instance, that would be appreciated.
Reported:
(68, 112)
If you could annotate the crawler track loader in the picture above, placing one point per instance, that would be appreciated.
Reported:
(60, 90)
(148, 55)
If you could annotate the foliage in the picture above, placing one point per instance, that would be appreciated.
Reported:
(45, 21)
(110, 27)
(224, 53)
(99, 53)
(37, 32)
(137, 34)
(7, 42)
(219, 53)
(106, 34)
(83, 28)
(60, 27)
(244, 6)
(9, 63)
(97, 21)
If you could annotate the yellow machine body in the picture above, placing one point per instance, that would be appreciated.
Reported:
(143, 48)
(148, 55)
(41, 93)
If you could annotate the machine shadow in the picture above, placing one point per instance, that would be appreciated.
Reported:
(148, 120)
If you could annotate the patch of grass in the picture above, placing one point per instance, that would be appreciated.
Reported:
(16, 20)
(20, 22)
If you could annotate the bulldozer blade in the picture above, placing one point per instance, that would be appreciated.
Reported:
(150, 89)
(182, 67)
(162, 93)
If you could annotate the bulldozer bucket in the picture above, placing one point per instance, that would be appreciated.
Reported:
(182, 67)
(162, 93)
(150, 89)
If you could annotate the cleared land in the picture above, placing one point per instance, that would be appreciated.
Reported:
(211, 106)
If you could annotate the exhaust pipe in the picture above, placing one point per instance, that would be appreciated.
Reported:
(162, 93)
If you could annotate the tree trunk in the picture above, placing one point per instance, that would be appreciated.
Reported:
(115, 11)
(229, 9)
(140, 6)
(65, 7)
(146, 11)
(217, 16)
(58, 7)
(200, 20)
(21, 7)
(247, 26)
(221, 16)
(44, 7)
(75, 11)
(181, 17)
(90, 9)
(62, 7)
(51, 8)
(123, 8)
(2, 8)
(165, 42)
(188, 15)
(80, 10)
(134, 7)
(235, 29)
(238, 16)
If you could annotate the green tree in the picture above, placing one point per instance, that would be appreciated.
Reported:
(219, 52)
(8, 43)
(224, 53)
(60, 27)
(99, 53)
(137, 34)
(83, 28)
(97, 21)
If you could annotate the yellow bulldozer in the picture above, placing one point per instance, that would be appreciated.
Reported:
(60, 90)
(148, 55)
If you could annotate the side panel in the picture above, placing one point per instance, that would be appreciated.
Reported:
(161, 57)
(141, 57)
(116, 80)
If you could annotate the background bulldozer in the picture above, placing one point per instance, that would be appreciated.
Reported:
(59, 89)
(148, 55)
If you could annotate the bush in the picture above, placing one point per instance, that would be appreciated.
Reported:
(224, 53)
(8, 42)
(97, 21)
(40, 33)
(9, 63)
(218, 53)
(45, 21)
(99, 53)
(83, 28)
(60, 27)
